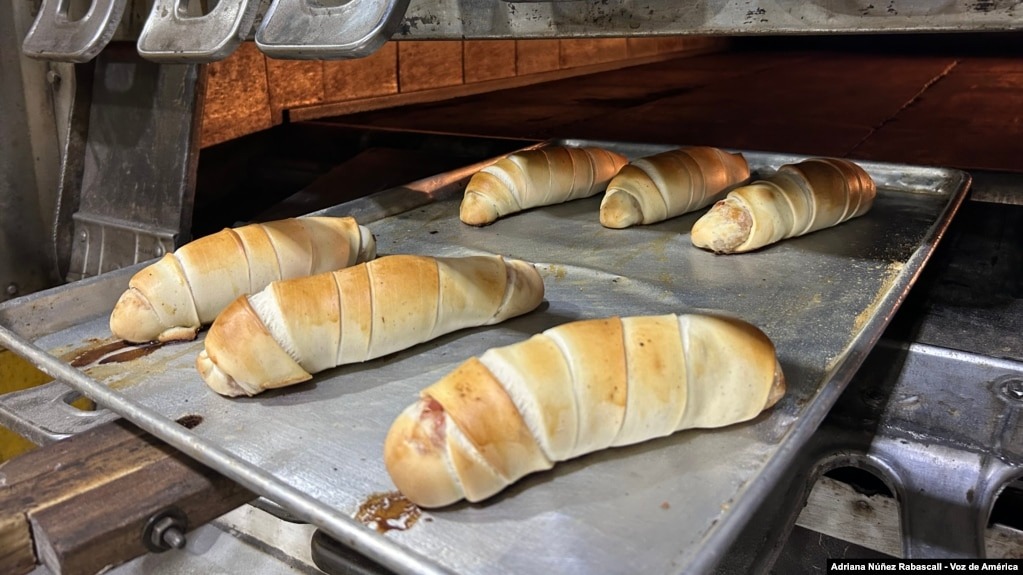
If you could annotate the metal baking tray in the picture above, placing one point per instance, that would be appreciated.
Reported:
(670, 505)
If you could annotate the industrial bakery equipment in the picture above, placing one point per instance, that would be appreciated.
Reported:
(100, 107)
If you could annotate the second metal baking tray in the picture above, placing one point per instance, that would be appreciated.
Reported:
(666, 506)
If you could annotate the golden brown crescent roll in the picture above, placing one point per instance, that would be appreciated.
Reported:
(294, 328)
(799, 199)
(574, 389)
(669, 184)
(172, 298)
(541, 177)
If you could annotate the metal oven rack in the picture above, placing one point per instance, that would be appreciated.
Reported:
(823, 300)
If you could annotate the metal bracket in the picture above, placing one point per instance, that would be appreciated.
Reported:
(921, 419)
(43, 414)
(141, 156)
(170, 35)
(304, 30)
(53, 36)
(103, 244)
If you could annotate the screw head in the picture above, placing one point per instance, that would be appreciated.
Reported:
(1008, 387)
(12, 289)
(53, 78)
(1012, 388)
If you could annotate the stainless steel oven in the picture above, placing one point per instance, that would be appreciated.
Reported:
(900, 437)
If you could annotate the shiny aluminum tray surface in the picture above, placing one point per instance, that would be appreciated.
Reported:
(666, 506)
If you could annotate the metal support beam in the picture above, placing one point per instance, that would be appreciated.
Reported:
(140, 161)
(28, 161)
(331, 29)
(428, 19)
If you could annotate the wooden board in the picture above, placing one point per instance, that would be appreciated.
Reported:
(85, 501)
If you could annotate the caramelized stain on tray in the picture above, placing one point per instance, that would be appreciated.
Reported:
(106, 360)
(388, 511)
(189, 421)
(132, 353)
(102, 352)
(90, 354)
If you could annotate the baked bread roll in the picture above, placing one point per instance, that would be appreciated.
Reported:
(541, 177)
(574, 389)
(172, 298)
(294, 328)
(669, 184)
(798, 199)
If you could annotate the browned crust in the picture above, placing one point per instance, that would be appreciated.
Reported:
(481, 408)
(192, 286)
(240, 346)
(310, 314)
(478, 479)
(405, 297)
(544, 176)
(416, 458)
(758, 348)
(602, 388)
(479, 206)
(156, 305)
(562, 167)
(433, 468)
(356, 311)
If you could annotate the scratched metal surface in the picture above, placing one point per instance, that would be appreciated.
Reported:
(670, 505)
